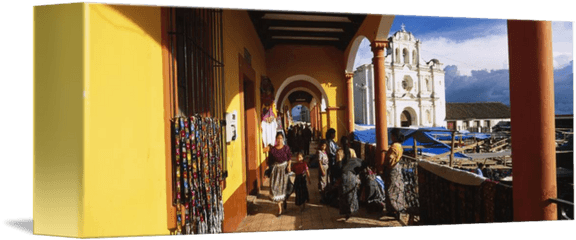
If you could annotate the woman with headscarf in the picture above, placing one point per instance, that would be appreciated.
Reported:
(347, 171)
(393, 182)
(280, 156)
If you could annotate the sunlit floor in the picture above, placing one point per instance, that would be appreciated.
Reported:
(262, 213)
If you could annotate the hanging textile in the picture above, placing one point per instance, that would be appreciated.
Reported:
(198, 175)
(450, 196)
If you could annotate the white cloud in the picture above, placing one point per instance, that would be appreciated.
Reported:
(487, 51)
(563, 44)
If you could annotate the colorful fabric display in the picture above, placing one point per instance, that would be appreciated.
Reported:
(198, 175)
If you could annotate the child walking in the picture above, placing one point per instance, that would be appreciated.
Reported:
(300, 168)
(323, 167)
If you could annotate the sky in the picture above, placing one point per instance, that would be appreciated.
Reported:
(474, 54)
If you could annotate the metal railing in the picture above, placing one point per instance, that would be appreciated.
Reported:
(565, 208)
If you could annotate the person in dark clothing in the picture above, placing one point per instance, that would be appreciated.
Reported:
(331, 151)
(291, 134)
(302, 177)
(347, 171)
(307, 137)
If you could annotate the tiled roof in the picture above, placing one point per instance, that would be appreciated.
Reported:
(477, 110)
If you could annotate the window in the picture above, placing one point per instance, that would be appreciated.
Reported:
(196, 83)
(405, 56)
(397, 55)
(407, 83)
(196, 42)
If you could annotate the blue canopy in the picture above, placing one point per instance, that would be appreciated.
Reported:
(423, 138)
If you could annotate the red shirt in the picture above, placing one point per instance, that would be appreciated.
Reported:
(300, 167)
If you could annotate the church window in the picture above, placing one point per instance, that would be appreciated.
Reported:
(397, 55)
(405, 56)
(407, 83)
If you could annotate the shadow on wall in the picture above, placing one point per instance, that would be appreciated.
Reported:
(138, 15)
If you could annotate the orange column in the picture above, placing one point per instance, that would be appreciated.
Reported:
(380, 106)
(320, 122)
(532, 117)
(350, 98)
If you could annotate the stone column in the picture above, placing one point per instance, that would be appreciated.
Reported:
(532, 117)
(350, 102)
(380, 100)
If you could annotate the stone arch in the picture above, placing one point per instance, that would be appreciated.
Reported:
(353, 51)
(302, 77)
(285, 96)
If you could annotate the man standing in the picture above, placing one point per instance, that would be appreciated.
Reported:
(332, 149)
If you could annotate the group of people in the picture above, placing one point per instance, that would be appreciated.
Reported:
(299, 137)
(344, 180)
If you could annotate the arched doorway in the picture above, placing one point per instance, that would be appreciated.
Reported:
(405, 119)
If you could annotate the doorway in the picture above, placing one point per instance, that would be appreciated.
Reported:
(405, 119)
(250, 126)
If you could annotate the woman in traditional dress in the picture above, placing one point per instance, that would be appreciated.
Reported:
(347, 171)
(393, 182)
(280, 156)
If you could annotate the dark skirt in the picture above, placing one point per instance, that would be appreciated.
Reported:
(394, 189)
(348, 196)
(301, 189)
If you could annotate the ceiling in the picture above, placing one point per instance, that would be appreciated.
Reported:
(300, 97)
(305, 28)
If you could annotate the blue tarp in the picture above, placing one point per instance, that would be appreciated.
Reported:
(423, 137)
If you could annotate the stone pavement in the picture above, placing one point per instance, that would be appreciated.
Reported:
(262, 213)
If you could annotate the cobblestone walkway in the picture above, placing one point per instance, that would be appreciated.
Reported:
(262, 214)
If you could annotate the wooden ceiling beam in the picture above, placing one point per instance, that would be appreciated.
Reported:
(270, 33)
(310, 24)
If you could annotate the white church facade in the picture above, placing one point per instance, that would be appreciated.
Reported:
(415, 92)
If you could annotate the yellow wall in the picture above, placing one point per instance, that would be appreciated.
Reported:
(99, 167)
(325, 64)
(124, 158)
(239, 34)
(58, 117)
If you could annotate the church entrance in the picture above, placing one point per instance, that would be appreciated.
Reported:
(405, 119)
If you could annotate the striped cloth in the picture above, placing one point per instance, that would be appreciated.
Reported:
(380, 182)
